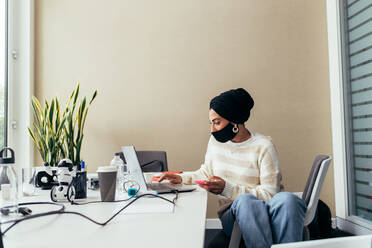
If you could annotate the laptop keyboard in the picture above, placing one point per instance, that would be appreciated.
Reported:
(161, 186)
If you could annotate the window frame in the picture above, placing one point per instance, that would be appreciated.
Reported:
(340, 123)
(20, 79)
(6, 77)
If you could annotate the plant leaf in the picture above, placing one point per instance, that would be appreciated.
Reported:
(93, 97)
(58, 115)
(50, 115)
(76, 94)
(37, 114)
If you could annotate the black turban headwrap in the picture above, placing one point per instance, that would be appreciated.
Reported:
(233, 105)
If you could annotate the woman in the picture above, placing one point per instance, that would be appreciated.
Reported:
(242, 167)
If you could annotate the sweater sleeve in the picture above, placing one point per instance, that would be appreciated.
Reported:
(270, 178)
(205, 171)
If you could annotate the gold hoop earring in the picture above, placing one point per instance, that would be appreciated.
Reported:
(235, 128)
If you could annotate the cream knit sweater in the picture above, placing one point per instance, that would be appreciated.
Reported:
(251, 167)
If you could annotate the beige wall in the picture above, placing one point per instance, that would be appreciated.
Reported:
(156, 65)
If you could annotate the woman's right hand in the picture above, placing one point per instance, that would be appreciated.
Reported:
(174, 179)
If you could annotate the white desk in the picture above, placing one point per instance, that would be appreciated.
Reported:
(183, 228)
(346, 242)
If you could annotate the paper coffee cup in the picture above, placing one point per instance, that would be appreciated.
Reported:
(107, 182)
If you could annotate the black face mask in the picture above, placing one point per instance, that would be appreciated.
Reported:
(225, 134)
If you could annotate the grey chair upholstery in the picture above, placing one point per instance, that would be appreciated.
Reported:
(313, 186)
(151, 161)
(310, 196)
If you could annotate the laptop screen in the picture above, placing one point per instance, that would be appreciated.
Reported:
(134, 167)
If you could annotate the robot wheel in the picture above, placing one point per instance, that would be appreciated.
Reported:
(53, 195)
(71, 193)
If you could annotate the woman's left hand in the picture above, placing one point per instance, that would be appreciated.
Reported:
(214, 185)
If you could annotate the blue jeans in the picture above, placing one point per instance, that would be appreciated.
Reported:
(262, 224)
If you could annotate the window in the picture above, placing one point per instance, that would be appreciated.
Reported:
(16, 87)
(357, 68)
(3, 71)
(349, 25)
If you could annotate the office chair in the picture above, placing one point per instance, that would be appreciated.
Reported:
(310, 196)
(151, 161)
(311, 193)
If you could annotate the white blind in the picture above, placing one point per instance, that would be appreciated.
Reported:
(358, 33)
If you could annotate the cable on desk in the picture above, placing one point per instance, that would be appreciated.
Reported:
(124, 200)
(62, 210)
(15, 222)
(85, 203)
(130, 203)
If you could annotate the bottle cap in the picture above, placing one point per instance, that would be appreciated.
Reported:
(117, 154)
(6, 160)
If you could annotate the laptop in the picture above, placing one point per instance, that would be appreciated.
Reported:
(137, 175)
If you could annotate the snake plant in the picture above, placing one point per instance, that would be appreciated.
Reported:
(75, 122)
(59, 135)
(47, 132)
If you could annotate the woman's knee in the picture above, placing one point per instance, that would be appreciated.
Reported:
(243, 201)
(244, 198)
(287, 199)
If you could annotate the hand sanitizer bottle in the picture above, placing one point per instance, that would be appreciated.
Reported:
(122, 172)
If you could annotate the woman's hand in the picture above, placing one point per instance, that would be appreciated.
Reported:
(214, 185)
(174, 179)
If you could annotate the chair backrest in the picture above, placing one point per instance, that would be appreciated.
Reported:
(314, 185)
(151, 161)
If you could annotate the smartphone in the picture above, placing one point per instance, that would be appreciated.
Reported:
(200, 181)
(155, 179)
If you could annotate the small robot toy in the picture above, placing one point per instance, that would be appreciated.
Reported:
(65, 175)
(46, 178)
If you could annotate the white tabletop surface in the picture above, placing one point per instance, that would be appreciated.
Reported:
(182, 227)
